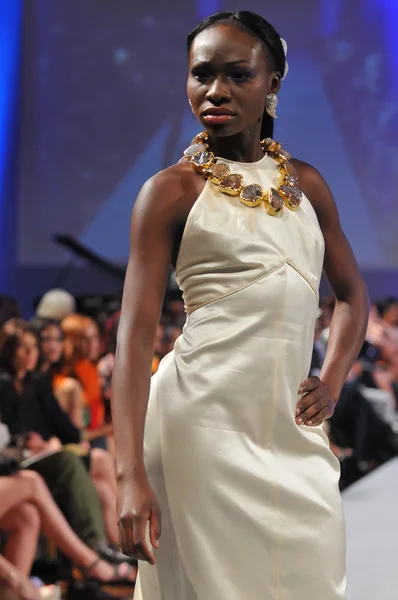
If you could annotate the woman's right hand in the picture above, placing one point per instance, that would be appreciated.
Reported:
(137, 504)
(34, 442)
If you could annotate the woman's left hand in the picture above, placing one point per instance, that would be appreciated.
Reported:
(317, 403)
(53, 445)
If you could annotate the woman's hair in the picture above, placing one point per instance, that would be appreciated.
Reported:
(45, 324)
(9, 345)
(258, 27)
(73, 328)
(54, 368)
(384, 305)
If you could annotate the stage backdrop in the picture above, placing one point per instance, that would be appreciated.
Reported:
(104, 108)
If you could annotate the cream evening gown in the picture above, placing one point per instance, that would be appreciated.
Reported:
(250, 502)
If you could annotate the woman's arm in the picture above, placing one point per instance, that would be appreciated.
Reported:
(160, 206)
(90, 435)
(350, 318)
(69, 394)
(146, 277)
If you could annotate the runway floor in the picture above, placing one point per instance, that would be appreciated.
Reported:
(371, 510)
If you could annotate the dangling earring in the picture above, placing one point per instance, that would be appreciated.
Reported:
(270, 105)
(190, 104)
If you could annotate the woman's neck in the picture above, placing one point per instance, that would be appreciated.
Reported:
(20, 376)
(243, 147)
(18, 380)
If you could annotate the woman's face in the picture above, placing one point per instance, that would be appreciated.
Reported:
(27, 353)
(391, 315)
(230, 76)
(51, 344)
(91, 342)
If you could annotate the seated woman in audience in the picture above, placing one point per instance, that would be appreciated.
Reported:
(27, 508)
(65, 382)
(81, 353)
(67, 390)
(29, 407)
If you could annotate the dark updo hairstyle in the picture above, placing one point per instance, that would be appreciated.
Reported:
(258, 27)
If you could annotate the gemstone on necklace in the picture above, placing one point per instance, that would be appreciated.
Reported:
(252, 195)
(275, 202)
(202, 160)
(265, 143)
(282, 156)
(274, 147)
(200, 138)
(292, 196)
(194, 149)
(217, 172)
(288, 194)
(290, 181)
(286, 169)
(232, 184)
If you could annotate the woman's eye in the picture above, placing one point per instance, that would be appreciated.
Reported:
(201, 75)
(241, 75)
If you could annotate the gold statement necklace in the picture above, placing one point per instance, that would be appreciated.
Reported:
(287, 193)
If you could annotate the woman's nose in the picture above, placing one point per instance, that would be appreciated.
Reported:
(218, 92)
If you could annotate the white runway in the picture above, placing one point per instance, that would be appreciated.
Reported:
(371, 509)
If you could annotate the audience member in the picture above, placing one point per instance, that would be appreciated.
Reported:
(79, 348)
(27, 508)
(40, 428)
(76, 361)
(56, 304)
(50, 427)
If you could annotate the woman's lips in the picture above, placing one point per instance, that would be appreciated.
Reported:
(218, 118)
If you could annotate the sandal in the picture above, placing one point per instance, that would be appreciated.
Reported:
(117, 579)
(111, 554)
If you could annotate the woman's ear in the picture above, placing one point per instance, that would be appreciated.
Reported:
(275, 83)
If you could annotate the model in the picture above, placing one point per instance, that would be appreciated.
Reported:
(234, 474)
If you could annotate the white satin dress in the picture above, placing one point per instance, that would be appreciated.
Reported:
(250, 503)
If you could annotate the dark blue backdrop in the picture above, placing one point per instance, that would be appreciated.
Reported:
(104, 107)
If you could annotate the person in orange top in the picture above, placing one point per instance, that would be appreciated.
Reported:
(81, 350)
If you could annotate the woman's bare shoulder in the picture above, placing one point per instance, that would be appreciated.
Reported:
(70, 385)
(175, 179)
(171, 191)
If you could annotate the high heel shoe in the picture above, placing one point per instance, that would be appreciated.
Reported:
(111, 554)
(84, 574)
